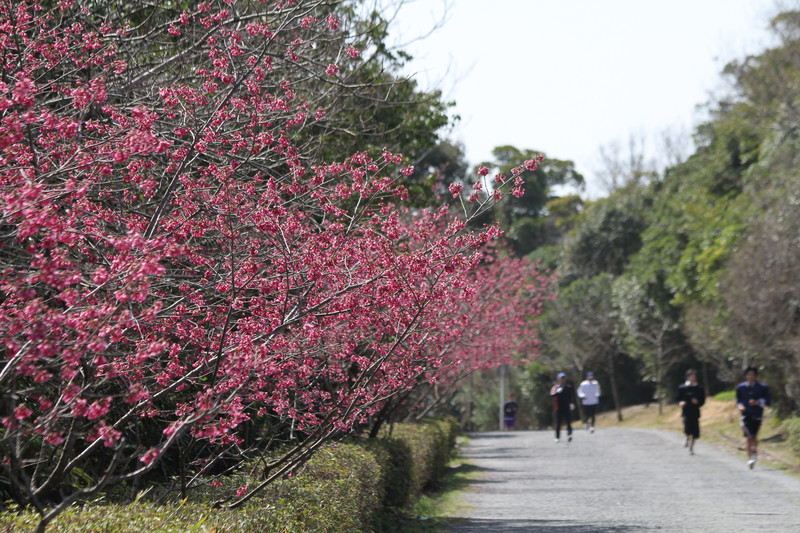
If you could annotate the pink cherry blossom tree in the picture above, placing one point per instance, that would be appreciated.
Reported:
(178, 262)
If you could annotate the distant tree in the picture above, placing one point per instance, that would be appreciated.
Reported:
(619, 170)
(761, 289)
(582, 326)
(523, 217)
(608, 234)
(563, 212)
(652, 331)
(434, 171)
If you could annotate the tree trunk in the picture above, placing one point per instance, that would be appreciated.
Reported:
(706, 386)
(660, 383)
(579, 403)
(614, 390)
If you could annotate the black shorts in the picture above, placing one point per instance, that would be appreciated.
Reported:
(750, 426)
(691, 426)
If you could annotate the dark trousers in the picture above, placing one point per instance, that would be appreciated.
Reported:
(563, 416)
(691, 426)
(589, 412)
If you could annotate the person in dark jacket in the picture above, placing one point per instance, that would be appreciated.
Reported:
(751, 398)
(510, 413)
(691, 398)
(564, 402)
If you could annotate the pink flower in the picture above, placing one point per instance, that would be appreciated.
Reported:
(482, 170)
(333, 22)
(242, 490)
(98, 409)
(332, 70)
(100, 276)
(353, 52)
(530, 164)
(54, 439)
(22, 412)
(150, 456)
(473, 197)
(308, 21)
(456, 189)
(23, 93)
(106, 433)
(407, 171)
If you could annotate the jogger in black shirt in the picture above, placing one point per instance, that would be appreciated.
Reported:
(564, 400)
(691, 397)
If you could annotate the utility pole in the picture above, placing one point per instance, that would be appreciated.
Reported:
(470, 426)
(502, 393)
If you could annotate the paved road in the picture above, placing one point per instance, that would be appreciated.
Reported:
(621, 480)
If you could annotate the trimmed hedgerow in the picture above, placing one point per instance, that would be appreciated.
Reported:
(347, 487)
(394, 456)
(431, 443)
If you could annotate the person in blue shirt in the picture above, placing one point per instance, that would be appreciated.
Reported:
(751, 398)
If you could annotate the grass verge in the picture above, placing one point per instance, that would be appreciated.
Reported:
(435, 510)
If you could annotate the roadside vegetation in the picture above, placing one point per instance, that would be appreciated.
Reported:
(359, 484)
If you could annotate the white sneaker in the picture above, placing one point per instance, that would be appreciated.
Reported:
(557, 440)
(752, 462)
(591, 429)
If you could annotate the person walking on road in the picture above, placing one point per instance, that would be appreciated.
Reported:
(510, 413)
(589, 393)
(751, 398)
(691, 398)
(564, 402)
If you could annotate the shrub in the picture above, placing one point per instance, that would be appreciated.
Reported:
(394, 455)
(344, 487)
(430, 444)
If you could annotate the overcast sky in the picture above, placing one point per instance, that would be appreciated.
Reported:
(568, 76)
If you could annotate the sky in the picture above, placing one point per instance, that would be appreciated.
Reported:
(567, 77)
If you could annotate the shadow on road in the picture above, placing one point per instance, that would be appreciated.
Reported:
(535, 526)
(478, 435)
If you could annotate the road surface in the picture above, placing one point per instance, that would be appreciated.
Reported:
(621, 480)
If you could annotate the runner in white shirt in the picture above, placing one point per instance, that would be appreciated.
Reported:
(589, 393)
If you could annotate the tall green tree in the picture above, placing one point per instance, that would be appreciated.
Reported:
(523, 218)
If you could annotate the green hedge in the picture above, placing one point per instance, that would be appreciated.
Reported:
(344, 487)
